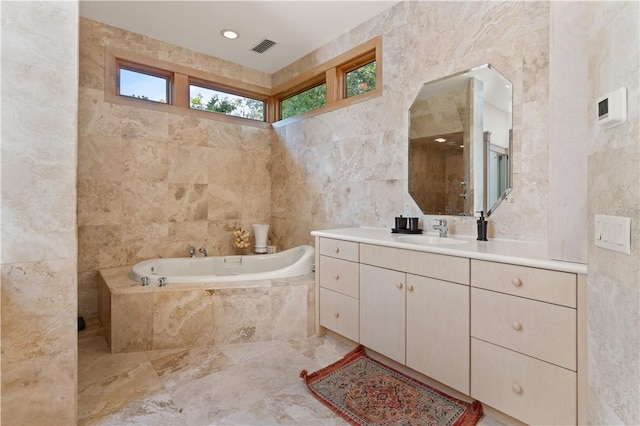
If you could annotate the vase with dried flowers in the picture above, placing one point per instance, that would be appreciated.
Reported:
(241, 240)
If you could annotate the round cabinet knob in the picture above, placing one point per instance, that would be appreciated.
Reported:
(516, 325)
(516, 388)
(410, 287)
(399, 285)
(337, 249)
(337, 315)
(516, 281)
(337, 277)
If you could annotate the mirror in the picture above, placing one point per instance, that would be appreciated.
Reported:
(460, 137)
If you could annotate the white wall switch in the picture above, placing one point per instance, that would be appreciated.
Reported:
(613, 233)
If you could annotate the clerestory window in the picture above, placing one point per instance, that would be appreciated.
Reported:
(352, 77)
(140, 82)
(205, 98)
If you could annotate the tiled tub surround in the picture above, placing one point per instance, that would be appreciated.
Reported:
(141, 318)
(494, 320)
(151, 183)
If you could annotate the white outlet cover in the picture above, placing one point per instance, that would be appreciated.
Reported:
(613, 233)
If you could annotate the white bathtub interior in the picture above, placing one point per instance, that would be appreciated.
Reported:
(295, 261)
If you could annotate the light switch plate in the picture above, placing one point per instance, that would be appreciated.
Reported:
(613, 233)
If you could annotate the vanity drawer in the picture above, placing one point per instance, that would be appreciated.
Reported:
(530, 390)
(533, 283)
(442, 267)
(339, 275)
(339, 313)
(538, 329)
(346, 250)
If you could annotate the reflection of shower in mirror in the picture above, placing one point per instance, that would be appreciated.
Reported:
(453, 170)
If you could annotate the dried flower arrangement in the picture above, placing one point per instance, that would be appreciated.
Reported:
(241, 238)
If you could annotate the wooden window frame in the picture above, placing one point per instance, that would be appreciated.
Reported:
(296, 90)
(333, 72)
(179, 87)
(144, 69)
(231, 90)
(356, 63)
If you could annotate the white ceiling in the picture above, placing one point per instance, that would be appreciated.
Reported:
(298, 27)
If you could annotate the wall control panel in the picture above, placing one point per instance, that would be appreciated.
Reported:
(612, 108)
(613, 233)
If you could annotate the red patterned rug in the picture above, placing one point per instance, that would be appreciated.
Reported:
(364, 391)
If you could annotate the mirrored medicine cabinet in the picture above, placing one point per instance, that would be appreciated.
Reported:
(460, 143)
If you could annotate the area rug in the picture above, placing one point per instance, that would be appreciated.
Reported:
(364, 391)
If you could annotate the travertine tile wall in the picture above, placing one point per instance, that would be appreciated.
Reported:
(39, 291)
(614, 189)
(349, 167)
(152, 183)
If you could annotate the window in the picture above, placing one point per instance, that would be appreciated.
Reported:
(136, 83)
(304, 101)
(361, 79)
(352, 77)
(136, 80)
(207, 99)
(141, 81)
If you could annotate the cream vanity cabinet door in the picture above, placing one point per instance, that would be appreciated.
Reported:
(382, 311)
(438, 330)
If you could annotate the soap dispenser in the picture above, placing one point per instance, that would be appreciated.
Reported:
(482, 227)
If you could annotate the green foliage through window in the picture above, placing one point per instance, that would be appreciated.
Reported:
(206, 99)
(361, 79)
(304, 101)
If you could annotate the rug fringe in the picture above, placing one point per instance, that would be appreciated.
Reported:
(355, 353)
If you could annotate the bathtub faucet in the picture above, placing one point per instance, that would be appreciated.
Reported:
(192, 251)
(203, 251)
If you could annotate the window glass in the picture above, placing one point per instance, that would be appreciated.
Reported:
(361, 79)
(143, 86)
(206, 99)
(304, 101)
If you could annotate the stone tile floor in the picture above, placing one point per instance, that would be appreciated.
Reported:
(232, 384)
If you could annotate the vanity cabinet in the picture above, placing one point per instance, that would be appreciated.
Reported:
(524, 341)
(417, 320)
(487, 321)
(339, 287)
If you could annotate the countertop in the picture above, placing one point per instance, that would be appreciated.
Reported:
(495, 250)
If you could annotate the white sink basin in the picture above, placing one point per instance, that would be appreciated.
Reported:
(429, 240)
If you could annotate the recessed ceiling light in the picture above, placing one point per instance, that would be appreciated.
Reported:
(229, 34)
(441, 140)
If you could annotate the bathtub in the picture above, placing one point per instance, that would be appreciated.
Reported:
(295, 261)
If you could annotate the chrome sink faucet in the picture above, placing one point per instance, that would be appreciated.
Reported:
(192, 251)
(441, 227)
(203, 251)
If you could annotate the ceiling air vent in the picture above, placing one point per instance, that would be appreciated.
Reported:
(263, 46)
